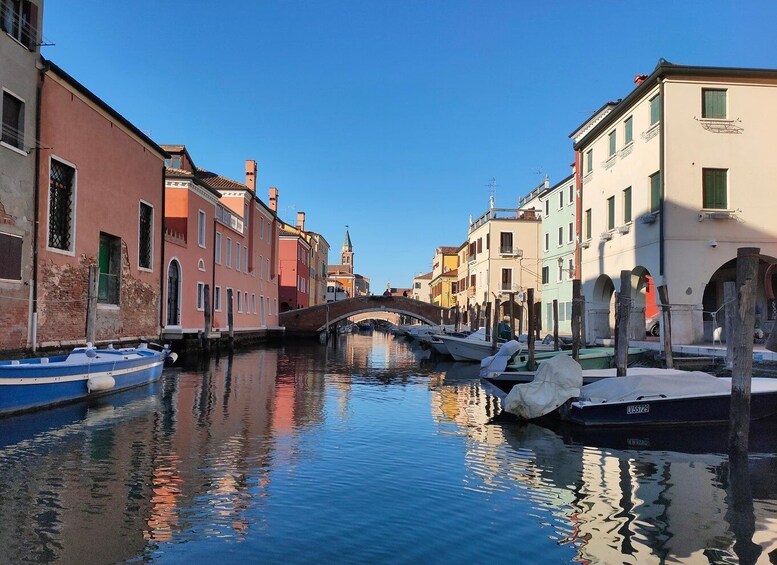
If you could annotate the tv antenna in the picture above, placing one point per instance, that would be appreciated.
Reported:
(491, 192)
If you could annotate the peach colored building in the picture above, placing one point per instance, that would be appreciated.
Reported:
(221, 237)
(101, 203)
(294, 269)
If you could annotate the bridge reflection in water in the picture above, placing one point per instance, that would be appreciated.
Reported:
(363, 452)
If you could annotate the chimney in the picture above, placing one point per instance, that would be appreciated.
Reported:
(301, 221)
(639, 79)
(251, 175)
(273, 197)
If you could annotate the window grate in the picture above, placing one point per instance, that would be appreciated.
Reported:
(145, 236)
(60, 205)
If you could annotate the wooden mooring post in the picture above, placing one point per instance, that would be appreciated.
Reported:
(666, 325)
(555, 324)
(622, 315)
(495, 325)
(576, 307)
(730, 301)
(512, 315)
(742, 372)
(91, 305)
(207, 320)
(487, 322)
(231, 316)
(531, 364)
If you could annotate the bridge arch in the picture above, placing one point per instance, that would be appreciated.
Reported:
(311, 321)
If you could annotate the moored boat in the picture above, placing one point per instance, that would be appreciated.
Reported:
(29, 384)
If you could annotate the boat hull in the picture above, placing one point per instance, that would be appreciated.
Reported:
(703, 409)
(33, 385)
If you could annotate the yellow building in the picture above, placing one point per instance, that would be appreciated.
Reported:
(445, 276)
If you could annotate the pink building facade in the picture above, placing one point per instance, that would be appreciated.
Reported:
(294, 270)
(220, 237)
(101, 203)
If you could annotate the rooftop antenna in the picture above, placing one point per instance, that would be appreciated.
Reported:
(492, 192)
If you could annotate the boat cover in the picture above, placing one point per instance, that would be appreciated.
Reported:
(498, 363)
(654, 385)
(557, 380)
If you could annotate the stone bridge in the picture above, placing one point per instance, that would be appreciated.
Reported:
(311, 321)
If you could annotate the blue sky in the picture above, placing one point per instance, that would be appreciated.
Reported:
(388, 116)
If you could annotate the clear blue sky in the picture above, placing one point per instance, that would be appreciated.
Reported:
(388, 116)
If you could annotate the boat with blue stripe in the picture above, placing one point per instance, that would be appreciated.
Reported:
(33, 383)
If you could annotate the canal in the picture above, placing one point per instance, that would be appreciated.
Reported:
(365, 452)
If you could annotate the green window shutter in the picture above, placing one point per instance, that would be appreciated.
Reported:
(589, 160)
(713, 104)
(655, 192)
(714, 188)
(655, 109)
(628, 131)
(611, 213)
(627, 205)
(613, 143)
(588, 224)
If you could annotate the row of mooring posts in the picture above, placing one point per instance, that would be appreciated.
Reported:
(205, 339)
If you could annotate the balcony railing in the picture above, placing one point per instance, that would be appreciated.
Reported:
(511, 251)
(226, 217)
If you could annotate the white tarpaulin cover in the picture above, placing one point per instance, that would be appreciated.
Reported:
(653, 385)
(557, 380)
(498, 363)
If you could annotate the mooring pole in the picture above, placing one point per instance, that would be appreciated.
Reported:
(576, 306)
(730, 301)
(91, 305)
(666, 325)
(739, 420)
(230, 316)
(531, 364)
(487, 322)
(512, 315)
(495, 325)
(622, 315)
(555, 324)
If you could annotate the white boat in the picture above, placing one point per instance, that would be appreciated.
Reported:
(475, 348)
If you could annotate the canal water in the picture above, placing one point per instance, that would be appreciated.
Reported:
(366, 451)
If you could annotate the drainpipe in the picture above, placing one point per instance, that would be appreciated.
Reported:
(33, 322)
(162, 272)
(661, 172)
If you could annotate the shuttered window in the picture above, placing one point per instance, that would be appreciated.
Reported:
(627, 205)
(628, 131)
(713, 104)
(655, 192)
(655, 109)
(715, 188)
(13, 121)
(589, 160)
(588, 224)
(613, 142)
(611, 213)
(10, 257)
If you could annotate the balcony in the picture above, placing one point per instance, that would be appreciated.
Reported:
(226, 217)
(510, 252)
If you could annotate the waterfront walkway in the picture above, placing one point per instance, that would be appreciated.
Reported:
(760, 353)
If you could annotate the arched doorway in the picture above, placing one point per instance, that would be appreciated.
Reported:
(285, 306)
(174, 293)
(643, 305)
(601, 313)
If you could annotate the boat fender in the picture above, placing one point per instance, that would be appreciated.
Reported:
(101, 383)
(171, 358)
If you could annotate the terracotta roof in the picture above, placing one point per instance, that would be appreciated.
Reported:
(173, 148)
(182, 173)
(447, 250)
(218, 182)
(424, 276)
(170, 172)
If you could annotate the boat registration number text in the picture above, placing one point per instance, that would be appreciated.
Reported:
(638, 409)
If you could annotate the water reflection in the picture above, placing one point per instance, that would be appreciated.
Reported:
(366, 451)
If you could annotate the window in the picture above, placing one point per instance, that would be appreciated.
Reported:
(715, 188)
(655, 109)
(201, 228)
(174, 162)
(628, 130)
(109, 263)
(480, 245)
(416, 285)
(245, 301)
(253, 303)
(19, 19)
(547, 241)
(571, 194)
(267, 270)
(10, 257)
(145, 236)
(472, 280)
(588, 224)
(570, 269)
(488, 241)
(545, 275)
(627, 205)
(589, 161)
(62, 188)
(611, 213)
(560, 271)
(261, 266)
(713, 104)
(262, 319)
(507, 279)
(217, 299)
(245, 259)
(506, 242)
(239, 301)
(13, 121)
(547, 207)
(229, 252)
(613, 141)
(200, 296)
(571, 232)
(655, 192)
(217, 257)
(560, 199)
(237, 256)
(560, 236)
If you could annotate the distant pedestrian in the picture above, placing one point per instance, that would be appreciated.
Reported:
(404, 294)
